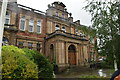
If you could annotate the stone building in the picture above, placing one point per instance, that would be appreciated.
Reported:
(52, 33)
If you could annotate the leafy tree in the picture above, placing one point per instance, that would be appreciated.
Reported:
(106, 21)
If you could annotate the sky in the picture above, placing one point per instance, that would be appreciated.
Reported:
(73, 6)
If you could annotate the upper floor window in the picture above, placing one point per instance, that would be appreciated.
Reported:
(22, 23)
(63, 15)
(7, 18)
(63, 28)
(31, 25)
(76, 31)
(57, 27)
(57, 14)
(38, 26)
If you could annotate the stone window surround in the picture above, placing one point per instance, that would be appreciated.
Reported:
(23, 18)
(31, 24)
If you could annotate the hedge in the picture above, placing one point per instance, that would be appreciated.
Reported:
(45, 68)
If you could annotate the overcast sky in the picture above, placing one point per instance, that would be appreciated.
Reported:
(73, 6)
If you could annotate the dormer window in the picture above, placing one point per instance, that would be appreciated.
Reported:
(7, 18)
(31, 25)
(22, 23)
(57, 27)
(63, 28)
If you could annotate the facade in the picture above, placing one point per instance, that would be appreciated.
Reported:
(53, 33)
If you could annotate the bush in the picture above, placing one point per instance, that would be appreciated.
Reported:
(16, 65)
(45, 68)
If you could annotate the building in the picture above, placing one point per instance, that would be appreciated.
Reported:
(53, 33)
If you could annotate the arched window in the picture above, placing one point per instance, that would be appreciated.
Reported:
(22, 23)
(7, 18)
(38, 26)
(57, 27)
(31, 25)
(63, 28)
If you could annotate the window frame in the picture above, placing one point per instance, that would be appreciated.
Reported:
(39, 23)
(7, 17)
(22, 19)
(31, 23)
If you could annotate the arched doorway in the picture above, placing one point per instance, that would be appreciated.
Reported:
(72, 55)
(52, 56)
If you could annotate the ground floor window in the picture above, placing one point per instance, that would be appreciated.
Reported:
(21, 44)
(5, 41)
(39, 47)
(30, 45)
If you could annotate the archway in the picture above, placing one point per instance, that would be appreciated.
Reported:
(72, 55)
(52, 55)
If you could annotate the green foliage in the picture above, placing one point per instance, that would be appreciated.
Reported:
(45, 68)
(16, 65)
(87, 30)
(106, 22)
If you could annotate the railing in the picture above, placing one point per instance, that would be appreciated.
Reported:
(63, 33)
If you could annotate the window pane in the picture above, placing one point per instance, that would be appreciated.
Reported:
(30, 44)
(63, 28)
(20, 44)
(6, 21)
(57, 27)
(30, 28)
(22, 23)
(31, 24)
(39, 26)
(38, 29)
(7, 18)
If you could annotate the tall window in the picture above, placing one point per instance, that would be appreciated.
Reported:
(38, 26)
(7, 18)
(57, 27)
(63, 28)
(31, 25)
(22, 23)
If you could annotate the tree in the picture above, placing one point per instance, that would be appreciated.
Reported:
(106, 21)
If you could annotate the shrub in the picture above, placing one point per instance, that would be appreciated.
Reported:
(45, 68)
(16, 65)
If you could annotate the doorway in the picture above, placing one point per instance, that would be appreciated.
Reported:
(72, 55)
